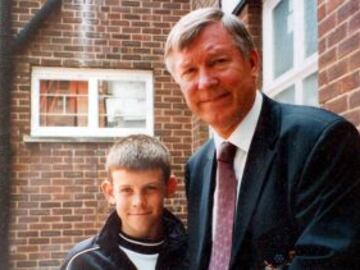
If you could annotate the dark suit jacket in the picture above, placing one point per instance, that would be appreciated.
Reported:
(299, 201)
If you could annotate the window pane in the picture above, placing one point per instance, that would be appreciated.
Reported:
(287, 95)
(283, 37)
(310, 21)
(63, 121)
(63, 103)
(57, 104)
(310, 90)
(122, 104)
(76, 104)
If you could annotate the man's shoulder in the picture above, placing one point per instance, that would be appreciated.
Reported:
(308, 113)
(205, 151)
(304, 123)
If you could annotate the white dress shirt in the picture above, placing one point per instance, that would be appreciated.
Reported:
(241, 138)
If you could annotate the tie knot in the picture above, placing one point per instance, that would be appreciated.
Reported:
(226, 152)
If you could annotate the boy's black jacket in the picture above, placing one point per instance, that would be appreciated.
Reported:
(102, 252)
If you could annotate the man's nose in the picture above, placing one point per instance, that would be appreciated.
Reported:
(206, 80)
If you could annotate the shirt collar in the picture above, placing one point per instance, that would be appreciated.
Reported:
(244, 132)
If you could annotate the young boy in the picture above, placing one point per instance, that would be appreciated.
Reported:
(140, 233)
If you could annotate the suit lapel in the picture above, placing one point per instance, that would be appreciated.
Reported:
(258, 162)
(206, 205)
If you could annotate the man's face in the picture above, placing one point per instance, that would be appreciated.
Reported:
(218, 84)
(138, 197)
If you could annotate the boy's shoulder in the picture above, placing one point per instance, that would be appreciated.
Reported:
(82, 248)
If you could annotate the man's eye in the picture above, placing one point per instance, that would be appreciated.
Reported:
(219, 61)
(188, 72)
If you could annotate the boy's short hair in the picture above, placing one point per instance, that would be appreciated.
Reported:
(138, 153)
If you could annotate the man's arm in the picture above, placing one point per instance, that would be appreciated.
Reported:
(327, 202)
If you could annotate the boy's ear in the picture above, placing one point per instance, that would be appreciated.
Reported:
(171, 186)
(108, 190)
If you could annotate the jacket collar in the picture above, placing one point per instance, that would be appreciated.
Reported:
(260, 157)
(242, 136)
(109, 234)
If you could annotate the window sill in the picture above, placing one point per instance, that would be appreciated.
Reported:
(34, 139)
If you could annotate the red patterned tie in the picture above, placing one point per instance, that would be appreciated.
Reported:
(226, 203)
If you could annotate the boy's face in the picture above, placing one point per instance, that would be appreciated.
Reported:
(139, 200)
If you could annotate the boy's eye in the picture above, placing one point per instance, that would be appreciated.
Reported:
(151, 188)
(126, 190)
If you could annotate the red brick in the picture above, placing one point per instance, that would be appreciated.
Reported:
(328, 92)
(37, 256)
(354, 100)
(49, 263)
(337, 70)
(327, 25)
(25, 264)
(350, 82)
(40, 241)
(322, 46)
(327, 58)
(348, 9)
(322, 77)
(354, 23)
(130, 3)
(338, 34)
(354, 117)
(321, 12)
(338, 105)
(349, 45)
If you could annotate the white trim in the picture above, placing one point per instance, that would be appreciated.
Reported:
(142, 243)
(285, 80)
(302, 67)
(228, 6)
(92, 76)
(93, 108)
(78, 254)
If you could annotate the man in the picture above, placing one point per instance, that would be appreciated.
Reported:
(296, 168)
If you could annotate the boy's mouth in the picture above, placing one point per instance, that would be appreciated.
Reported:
(140, 214)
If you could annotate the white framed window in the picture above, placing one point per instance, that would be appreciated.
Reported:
(69, 102)
(290, 51)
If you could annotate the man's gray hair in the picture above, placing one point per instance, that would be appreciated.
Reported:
(190, 26)
(138, 153)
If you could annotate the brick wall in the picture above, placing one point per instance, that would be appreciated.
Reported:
(339, 57)
(55, 193)
(204, 3)
(251, 16)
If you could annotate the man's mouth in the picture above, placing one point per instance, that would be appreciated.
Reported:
(215, 98)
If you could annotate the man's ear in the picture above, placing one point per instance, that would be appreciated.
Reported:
(171, 186)
(254, 62)
(108, 190)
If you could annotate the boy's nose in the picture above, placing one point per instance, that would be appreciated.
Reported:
(139, 200)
